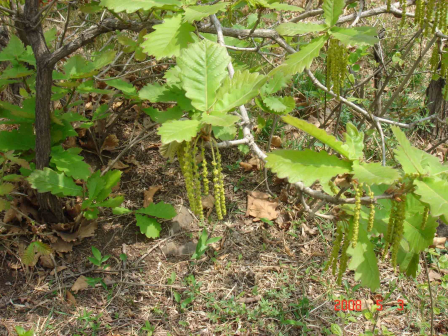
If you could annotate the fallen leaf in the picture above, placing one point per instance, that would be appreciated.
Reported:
(276, 141)
(306, 229)
(246, 166)
(259, 206)
(62, 226)
(68, 237)
(10, 215)
(87, 229)
(62, 246)
(58, 269)
(313, 120)
(439, 242)
(80, 284)
(433, 275)
(208, 202)
(110, 143)
(131, 159)
(118, 165)
(70, 142)
(46, 261)
(88, 106)
(148, 195)
(342, 181)
(255, 162)
(73, 210)
(71, 298)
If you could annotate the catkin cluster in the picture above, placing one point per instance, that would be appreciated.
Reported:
(187, 154)
(395, 228)
(372, 212)
(358, 194)
(341, 234)
(337, 58)
(431, 15)
(403, 5)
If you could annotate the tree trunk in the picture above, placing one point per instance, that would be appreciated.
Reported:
(49, 204)
(435, 101)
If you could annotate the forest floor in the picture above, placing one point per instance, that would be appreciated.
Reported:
(261, 278)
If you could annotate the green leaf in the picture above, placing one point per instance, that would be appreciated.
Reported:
(203, 67)
(319, 134)
(121, 211)
(28, 255)
(302, 59)
(408, 260)
(224, 133)
(4, 204)
(6, 188)
(125, 87)
(284, 7)
(21, 139)
(275, 84)
(306, 166)
(434, 191)
(91, 8)
(173, 113)
(178, 130)
(148, 226)
(96, 253)
(111, 202)
(219, 119)
(94, 185)
(70, 162)
(197, 13)
(354, 141)
(111, 179)
(131, 6)
(89, 87)
(279, 105)
(364, 261)
(409, 157)
(13, 50)
(157, 93)
(332, 11)
(159, 210)
(49, 180)
(417, 238)
(374, 173)
(293, 29)
(238, 90)
(17, 71)
(168, 38)
(358, 36)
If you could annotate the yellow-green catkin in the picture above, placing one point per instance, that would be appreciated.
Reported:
(344, 259)
(205, 180)
(434, 60)
(216, 187)
(358, 194)
(443, 16)
(425, 217)
(337, 60)
(333, 260)
(197, 185)
(388, 3)
(187, 170)
(333, 187)
(403, 5)
(418, 12)
(429, 11)
(398, 230)
(372, 212)
(222, 195)
(390, 227)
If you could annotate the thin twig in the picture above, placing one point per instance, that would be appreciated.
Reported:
(430, 292)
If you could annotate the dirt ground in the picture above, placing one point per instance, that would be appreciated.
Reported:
(259, 279)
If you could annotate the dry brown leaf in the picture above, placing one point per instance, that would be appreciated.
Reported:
(276, 141)
(259, 206)
(73, 211)
(116, 104)
(70, 298)
(88, 106)
(433, 275)
(70, 142)
(439, 242)
(307, 230)
(148, 195)
(131, 159)
(208, 202)
(342, 181)
(313, 120)
(62, 226)
(87, 229)
(246, 166)
(46, 261)
(68, 237)
(110, 143)
(118, 165)
(80, 284)
(10, 215)
(58, 269)
(62, 246)
(255, 162)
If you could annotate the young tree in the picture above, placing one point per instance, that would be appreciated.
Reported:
(211, 96)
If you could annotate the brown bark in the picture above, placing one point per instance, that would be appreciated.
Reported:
(49, 204)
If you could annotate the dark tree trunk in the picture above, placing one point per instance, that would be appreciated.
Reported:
(435, 102)
(50, 205)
